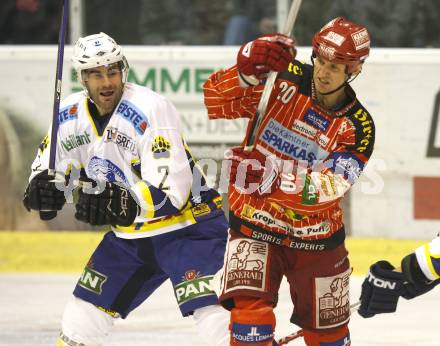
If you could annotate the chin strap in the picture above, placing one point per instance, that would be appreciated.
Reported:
(333, 91)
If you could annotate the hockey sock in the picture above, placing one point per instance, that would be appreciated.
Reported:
(252, 322)
(336, 337)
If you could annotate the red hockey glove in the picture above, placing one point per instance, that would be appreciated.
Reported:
(271, 52)
(252, 172)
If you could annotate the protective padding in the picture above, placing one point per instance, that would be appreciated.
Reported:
(252, 322)
(213, 325)
(84, 324)
(334, 337)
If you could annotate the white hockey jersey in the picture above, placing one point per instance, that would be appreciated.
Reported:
(428, 257)
(141, 147)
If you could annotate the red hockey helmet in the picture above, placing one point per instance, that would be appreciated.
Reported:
(342, 42)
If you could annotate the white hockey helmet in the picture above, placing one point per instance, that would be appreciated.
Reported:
(97, 50)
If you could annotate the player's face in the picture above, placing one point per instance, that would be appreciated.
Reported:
(104, 84)
(327, 75)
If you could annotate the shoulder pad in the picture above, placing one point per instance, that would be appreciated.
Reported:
(300, 74)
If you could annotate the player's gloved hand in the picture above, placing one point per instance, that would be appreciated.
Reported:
(43, 195)
(416, 282)
(268, 53)
(105, 204)
(381, 290)
(252, 172)
(412, 290)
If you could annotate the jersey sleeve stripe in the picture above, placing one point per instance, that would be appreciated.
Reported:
(146, 200)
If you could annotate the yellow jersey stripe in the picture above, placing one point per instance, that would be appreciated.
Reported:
(428, 259)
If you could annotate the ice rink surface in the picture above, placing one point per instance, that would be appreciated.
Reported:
(31, 306)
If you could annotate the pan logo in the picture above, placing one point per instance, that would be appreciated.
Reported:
(193, 287)
(434, 133)
(92, 280)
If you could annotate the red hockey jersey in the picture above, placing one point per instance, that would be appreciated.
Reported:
(320, 153)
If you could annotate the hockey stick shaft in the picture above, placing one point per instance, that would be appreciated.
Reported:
(49, 214)
(270, 81)
(57, 91)
(300, 333)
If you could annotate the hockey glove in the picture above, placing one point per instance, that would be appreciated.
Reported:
(416, 282)
(252, 172)
(381, 290)
(272, 52)
(43, 195)
(105, 204)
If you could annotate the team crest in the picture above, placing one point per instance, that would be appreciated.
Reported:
(105, 170)
(161, 148)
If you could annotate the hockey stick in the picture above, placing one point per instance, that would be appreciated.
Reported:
(57, 91)
(270, 81)
(49, 214)
(300, 333)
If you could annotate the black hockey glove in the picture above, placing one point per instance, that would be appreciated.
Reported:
(42, 194)
(105, 204)
(381, 290)
(417, 283)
